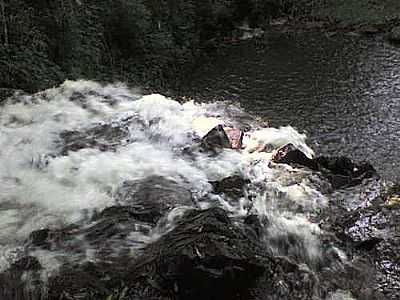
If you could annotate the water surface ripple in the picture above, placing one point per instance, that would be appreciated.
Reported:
(343, 91)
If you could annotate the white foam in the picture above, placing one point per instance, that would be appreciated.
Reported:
(277, 138)
(65, 189)
(340, 295)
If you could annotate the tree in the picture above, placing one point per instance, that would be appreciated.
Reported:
(5, 27)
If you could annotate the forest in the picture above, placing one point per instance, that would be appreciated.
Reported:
(144, 42)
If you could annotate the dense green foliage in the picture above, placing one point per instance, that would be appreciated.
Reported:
(142, 41)
(145, 42)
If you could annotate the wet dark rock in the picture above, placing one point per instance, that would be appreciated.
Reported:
(207, 256)
(27, 263)
(340, 171)
(368, 244)
(232, 186)
(153, 197)
(22, 280)
(216, 138)
(104, 137)
(371, 233)
(214, 141)
(50, 239)
(87, 281)
(394, 34)
(107, 235)
(255, 226)
(39, 238)
(289, 154)
(375, 231)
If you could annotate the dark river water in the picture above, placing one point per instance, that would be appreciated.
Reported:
(343, 91)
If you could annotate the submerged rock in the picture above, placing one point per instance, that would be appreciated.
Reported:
(153, 197)
(104, 137)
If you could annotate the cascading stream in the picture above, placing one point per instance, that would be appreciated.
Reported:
(66, 152)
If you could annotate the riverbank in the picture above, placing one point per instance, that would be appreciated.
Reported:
(154, 45)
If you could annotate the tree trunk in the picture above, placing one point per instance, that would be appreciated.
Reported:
(5, 28)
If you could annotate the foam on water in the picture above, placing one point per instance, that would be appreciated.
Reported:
(67, 189)
(341, 295)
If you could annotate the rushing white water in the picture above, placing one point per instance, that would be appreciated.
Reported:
(39, 188)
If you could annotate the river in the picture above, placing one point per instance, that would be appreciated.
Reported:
(343, 90)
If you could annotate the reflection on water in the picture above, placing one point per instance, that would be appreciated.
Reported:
(344, 91)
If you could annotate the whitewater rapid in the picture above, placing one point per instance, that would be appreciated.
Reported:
(42, 187)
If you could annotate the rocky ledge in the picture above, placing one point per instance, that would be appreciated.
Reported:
(156, 243)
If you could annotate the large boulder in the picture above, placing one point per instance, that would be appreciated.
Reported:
(208, 256)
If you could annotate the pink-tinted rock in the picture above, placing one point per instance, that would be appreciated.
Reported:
(235, 137)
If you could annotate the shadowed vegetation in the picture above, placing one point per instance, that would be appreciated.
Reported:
(143, 42)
